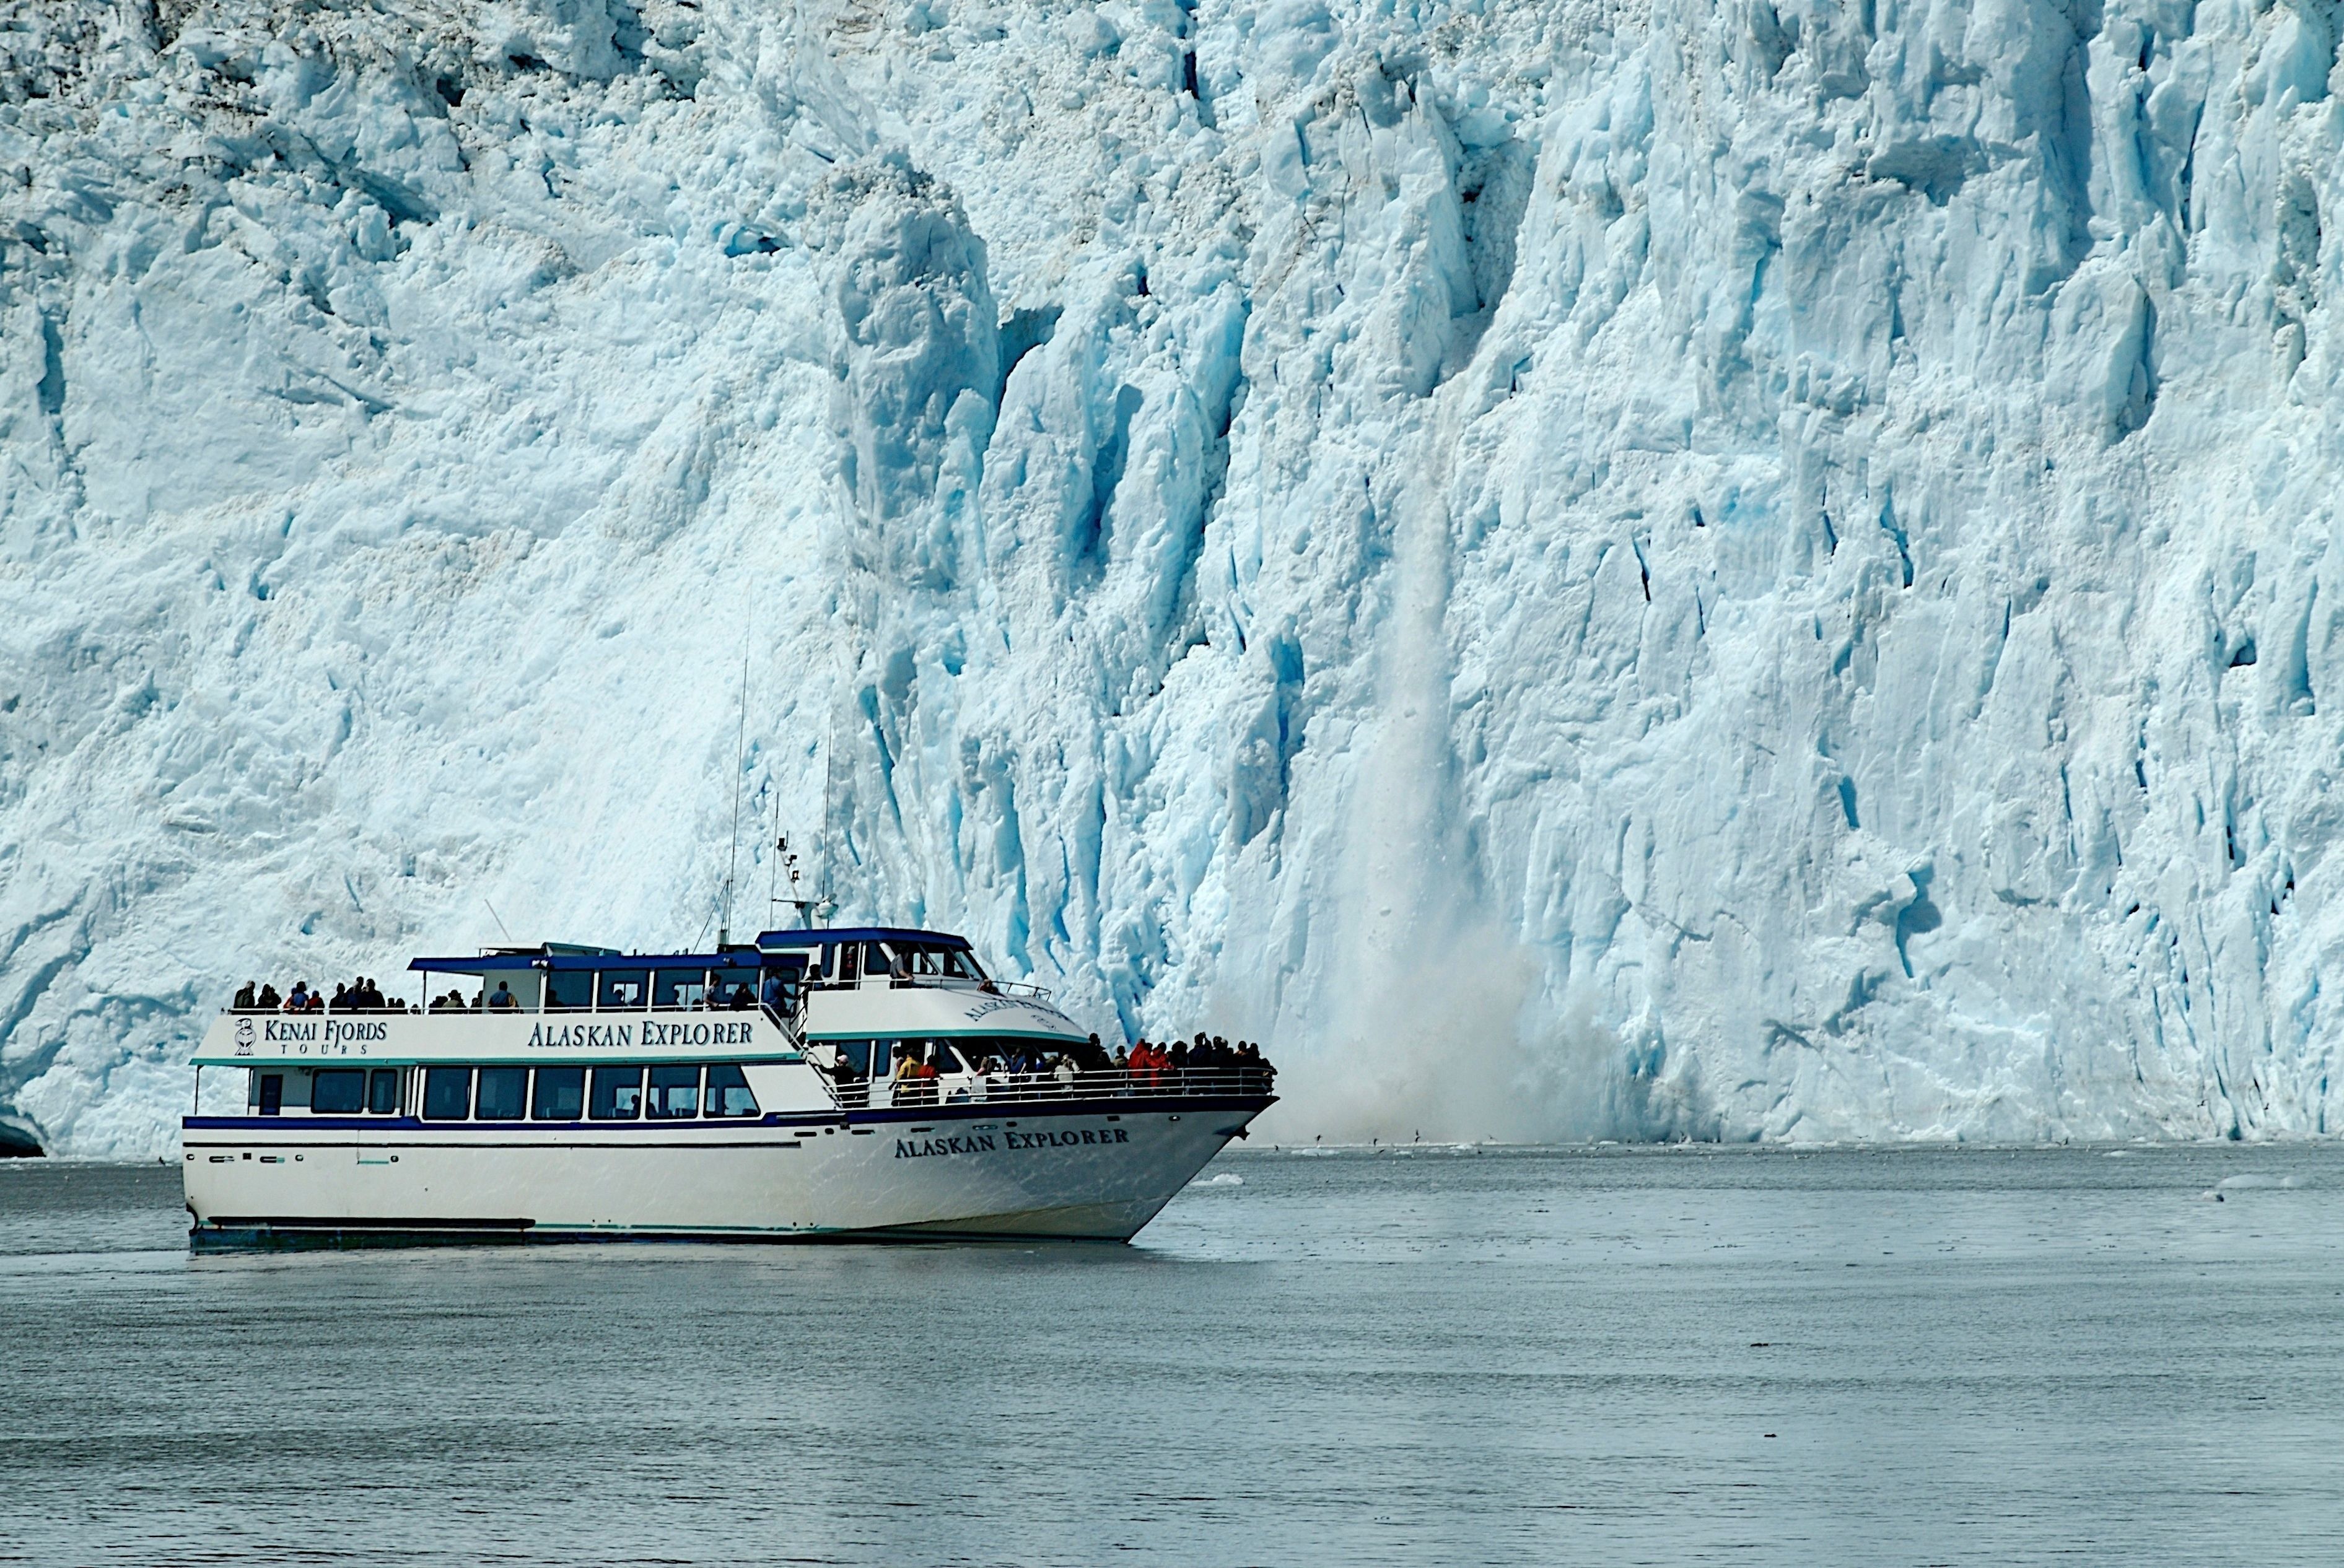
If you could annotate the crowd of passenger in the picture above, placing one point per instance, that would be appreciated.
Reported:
(1204, 1065)
(361, 995)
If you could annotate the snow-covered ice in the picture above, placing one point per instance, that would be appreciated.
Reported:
(1745, 571)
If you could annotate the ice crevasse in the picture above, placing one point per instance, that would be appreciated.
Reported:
(1736, 570)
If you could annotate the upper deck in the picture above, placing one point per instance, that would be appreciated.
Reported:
(581, 1003)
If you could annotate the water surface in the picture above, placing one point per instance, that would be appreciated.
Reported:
(1602, 1355)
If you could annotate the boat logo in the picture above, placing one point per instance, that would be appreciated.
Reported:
(244, 1037)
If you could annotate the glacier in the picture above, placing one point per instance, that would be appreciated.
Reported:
(1760, 570)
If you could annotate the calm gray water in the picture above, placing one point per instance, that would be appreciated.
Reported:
(1609, 1356)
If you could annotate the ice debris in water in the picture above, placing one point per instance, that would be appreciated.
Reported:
(1224, 1179)
(2229, 1184)
(1742, 573)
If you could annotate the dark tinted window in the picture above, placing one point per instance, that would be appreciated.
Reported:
(732, 987)
(383, 1091)
(337, 1091)
(568, 989)
(678, 988)
(272, 1093)
(675, 1093)
(503, 1089)
(447, 1094)
(874, 960)
(561, 1094)
(623, 989)
(728, 1091)
(618, 1094)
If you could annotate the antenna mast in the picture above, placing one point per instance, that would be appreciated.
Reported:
(740, 760)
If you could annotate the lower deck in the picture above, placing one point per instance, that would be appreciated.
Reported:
(1075, 1166)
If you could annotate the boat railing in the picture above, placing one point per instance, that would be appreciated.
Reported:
(1042, 1087)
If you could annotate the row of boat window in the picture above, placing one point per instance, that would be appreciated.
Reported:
(671, 1092)
(634, 990)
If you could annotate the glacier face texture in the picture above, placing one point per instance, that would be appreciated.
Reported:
(1737, 570)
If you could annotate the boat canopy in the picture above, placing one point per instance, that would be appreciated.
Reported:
(818, 938)
(563, 956)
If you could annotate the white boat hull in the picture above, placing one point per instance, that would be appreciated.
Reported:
(1092, 1169)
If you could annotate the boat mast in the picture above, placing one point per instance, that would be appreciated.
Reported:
(740, 759)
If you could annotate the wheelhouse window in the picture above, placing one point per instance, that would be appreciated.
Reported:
(623, 990)
(447, 1094)
(961, 964)
(503, 1091)
(875, 960)
(269, 1093)
(337, 1091)
(675, 1093)
(568, 990)
(383, 1091)
(728, 1091)
(618, 1094)
(678, 988)
(850, 962)
(561, 1094)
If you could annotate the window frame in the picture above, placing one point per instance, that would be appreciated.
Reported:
(653, 1087)
(615, 1071)
(438, 1071)
(337, 1073)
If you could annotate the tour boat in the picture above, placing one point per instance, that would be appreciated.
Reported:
(823, 1083)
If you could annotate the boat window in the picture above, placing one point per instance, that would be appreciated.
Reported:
(561, 1094)
(856, 1055)
(961, 964)
(383, 1091)
(503, 1092)
(875, 960)
(618, 1094)
(271, 1095)
(728, 1091)
(337, 1091)
(678, 988)
(850, 962)
(568, 990)
(675, 1093)
(622, 989)
(447, 1094)
(732, 987)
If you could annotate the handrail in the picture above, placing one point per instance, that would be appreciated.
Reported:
(1040, 1087)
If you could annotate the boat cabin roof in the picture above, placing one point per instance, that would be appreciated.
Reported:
(568, 956)
(815, 937)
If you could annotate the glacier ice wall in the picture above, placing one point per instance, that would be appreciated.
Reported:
(1746, 570)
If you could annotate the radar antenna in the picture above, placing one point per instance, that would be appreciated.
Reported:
(810, 906)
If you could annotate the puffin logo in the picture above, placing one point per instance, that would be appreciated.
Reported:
(244, 1037)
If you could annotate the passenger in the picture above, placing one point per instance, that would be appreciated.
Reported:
(1064, 1073)
(1122, 1061)
(268, 1001)
(298, 1000)
(772, 997)
(243, 1002)
(504, 1001)
(341, 1003)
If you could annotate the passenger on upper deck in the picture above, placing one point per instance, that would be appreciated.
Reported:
(504, 1000)
(243, 1002)
(299, 1002)
(268, 1001)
